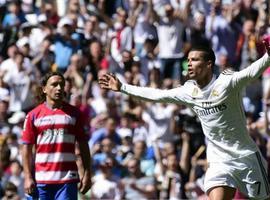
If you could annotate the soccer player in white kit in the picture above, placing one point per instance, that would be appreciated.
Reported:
(234, 159)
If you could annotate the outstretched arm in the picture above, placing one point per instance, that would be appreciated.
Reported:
(111, 82)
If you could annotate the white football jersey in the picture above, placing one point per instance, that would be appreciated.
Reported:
(218, 106)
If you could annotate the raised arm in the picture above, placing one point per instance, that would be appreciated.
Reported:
(253, 71)
(111, 82)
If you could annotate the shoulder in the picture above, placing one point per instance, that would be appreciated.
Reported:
(37, 109)
(188, 85)
(227, 72)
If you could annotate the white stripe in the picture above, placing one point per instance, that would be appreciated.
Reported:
(56, 175)
(54, 157)
(51, 137)
(54, 119)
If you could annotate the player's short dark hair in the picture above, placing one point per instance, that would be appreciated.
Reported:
(49, 75)
(208, 52)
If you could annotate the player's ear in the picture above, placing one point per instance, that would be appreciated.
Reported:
(44, 90)
(210, 64)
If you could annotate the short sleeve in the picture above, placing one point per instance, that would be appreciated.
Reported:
(29, 134)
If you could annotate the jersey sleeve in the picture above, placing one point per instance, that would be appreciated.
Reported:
(29, 134)
(175, 95)
(252, 72)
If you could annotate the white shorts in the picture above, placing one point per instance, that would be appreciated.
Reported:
(248, 174)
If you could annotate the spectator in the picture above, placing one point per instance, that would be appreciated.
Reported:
(106, 185)
(96, 58)
(19, 82)
(44, 59)
(222, 29)
(9, 63)
(145, 156)
(49, 12)
(137, 185)
(16, 177)
(15, 17)
(108, 131)
(4, 115)
(11, 192)
(123, 35)
(170, 29)
(75, 71)
(108, 149)
(64, 44)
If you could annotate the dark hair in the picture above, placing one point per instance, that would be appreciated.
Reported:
(49, 75)
(40, 96)
(11, 187)
(208, 52)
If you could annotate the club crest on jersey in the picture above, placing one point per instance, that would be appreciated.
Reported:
(214, 93)
(195, 92)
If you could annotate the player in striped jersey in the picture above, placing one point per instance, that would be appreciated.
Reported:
(52, 129)
(234, 159)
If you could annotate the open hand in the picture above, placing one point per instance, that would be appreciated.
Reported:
(110, 82)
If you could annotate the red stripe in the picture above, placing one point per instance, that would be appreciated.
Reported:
(56, 147)
(56, 166)
(59, 182)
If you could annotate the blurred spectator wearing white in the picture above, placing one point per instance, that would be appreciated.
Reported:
(21, 95)
(106, 185)
(170, 29)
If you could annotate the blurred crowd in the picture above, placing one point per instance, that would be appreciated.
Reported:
(139, 150)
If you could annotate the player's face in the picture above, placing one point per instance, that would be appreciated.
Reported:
(54, 89)
(198, 67)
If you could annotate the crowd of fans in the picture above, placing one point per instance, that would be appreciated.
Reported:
(139, 150)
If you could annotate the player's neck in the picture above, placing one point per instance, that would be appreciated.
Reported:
(54, 104)
(205, 81)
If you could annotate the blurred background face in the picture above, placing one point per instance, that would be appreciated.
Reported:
(121, 16)
(16, 169)
(14, 8)
(3, 107)
(168, 10)
(74, 6)
(110, 125)
(76, 60)
(12, 50)
(46, 44)
(91, 24)
(248, 28)
(66, 30)
(133, 166)
(106, 145)
(139, 148)
(172, 162)
(95, 49)
(48, 7)
(199, 20)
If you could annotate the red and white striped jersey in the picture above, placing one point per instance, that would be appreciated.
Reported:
(54, 132)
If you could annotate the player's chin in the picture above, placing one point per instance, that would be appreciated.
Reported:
(58, 97)
(191, 75)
